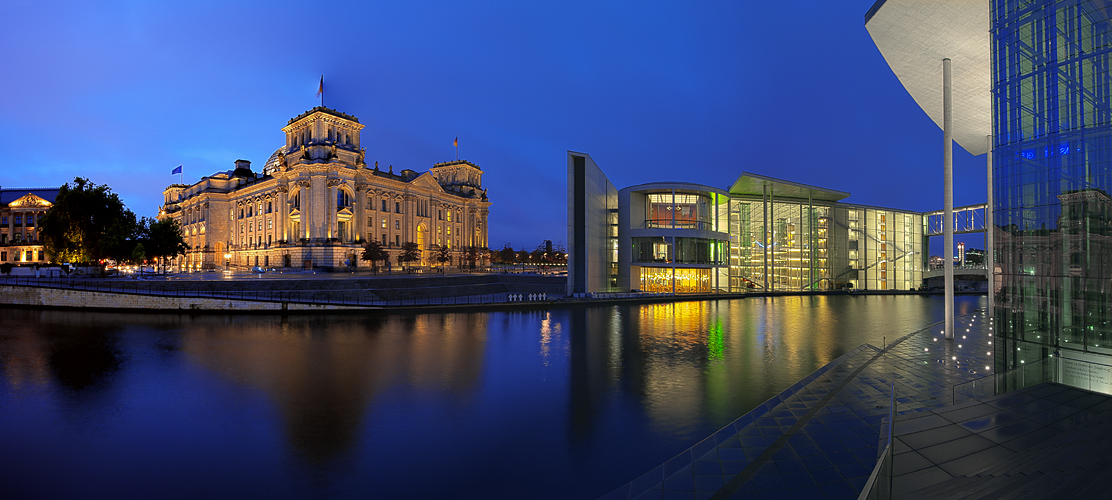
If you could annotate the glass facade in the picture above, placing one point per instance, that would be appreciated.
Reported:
(793, 245)
(762, 234)
(1052, 166)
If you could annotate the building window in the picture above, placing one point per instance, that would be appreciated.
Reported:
(3, 256)
(397, 207)
(19, 220)
(397, 224)
(383, 205)
(343, 199)
(397, 240)
(383, 238)
(449, 216)
(384, 223)
(269, 206)
(270, 224)
(370, 221)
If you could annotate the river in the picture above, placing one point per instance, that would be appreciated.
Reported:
(563, 402)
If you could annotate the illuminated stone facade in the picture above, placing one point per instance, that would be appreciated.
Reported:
(20, 212)
(317, 202)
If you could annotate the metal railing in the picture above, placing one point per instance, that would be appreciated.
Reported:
(879, 485)
(337, 297)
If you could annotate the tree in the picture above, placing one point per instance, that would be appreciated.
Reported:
(410, 253)
(373, 252)
(443, 253)
(138, 254)
(506, 255)
(538, 255)
(471, 254)
(163, 238)
(88, 222)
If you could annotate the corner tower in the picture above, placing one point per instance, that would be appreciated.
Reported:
(322, 135)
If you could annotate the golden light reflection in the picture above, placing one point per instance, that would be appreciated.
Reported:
(324, 373)
(550, 332)
(25, 362)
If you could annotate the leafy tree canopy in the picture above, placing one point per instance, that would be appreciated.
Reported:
(373, 252)
(88, 222)
(410, 252)
(162, 238)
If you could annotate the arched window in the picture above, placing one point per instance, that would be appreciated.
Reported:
(295, 201)
(344, 199)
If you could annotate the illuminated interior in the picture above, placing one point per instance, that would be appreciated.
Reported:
(659, 279)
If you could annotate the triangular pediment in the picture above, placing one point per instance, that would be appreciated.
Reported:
(426, 180)
(29, 200)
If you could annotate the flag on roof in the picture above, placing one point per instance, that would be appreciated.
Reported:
(176, 170)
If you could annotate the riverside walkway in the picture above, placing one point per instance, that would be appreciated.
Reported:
(819, 438)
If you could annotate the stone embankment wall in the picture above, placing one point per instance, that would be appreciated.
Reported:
(83, 299)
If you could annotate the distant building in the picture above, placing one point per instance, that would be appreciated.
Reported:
(20, 212)
(759, 234)
(317, 202)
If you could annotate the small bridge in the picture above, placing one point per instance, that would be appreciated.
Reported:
(967, 219)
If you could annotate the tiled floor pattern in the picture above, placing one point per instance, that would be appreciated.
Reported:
(1046, 441)
(818, 439)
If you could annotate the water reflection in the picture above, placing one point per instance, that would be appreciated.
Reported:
(324, 372)
(558, 403)
(65, 349)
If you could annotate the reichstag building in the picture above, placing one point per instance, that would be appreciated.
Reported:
(317, 202)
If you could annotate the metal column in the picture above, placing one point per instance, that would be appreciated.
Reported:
(765, 243)
(990, 256)
(948, 195)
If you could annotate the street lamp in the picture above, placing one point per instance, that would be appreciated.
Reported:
(227, 258)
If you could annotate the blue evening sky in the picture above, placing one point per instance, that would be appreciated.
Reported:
(122, 92)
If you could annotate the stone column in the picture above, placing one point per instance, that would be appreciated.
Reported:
(306, 202)
(948, 195)
(282, 211)
(330, 206)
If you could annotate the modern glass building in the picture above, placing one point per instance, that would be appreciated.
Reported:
(761, 234)
(1034, 77)
(1052, 115)
(672, 237)
(788, 236)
